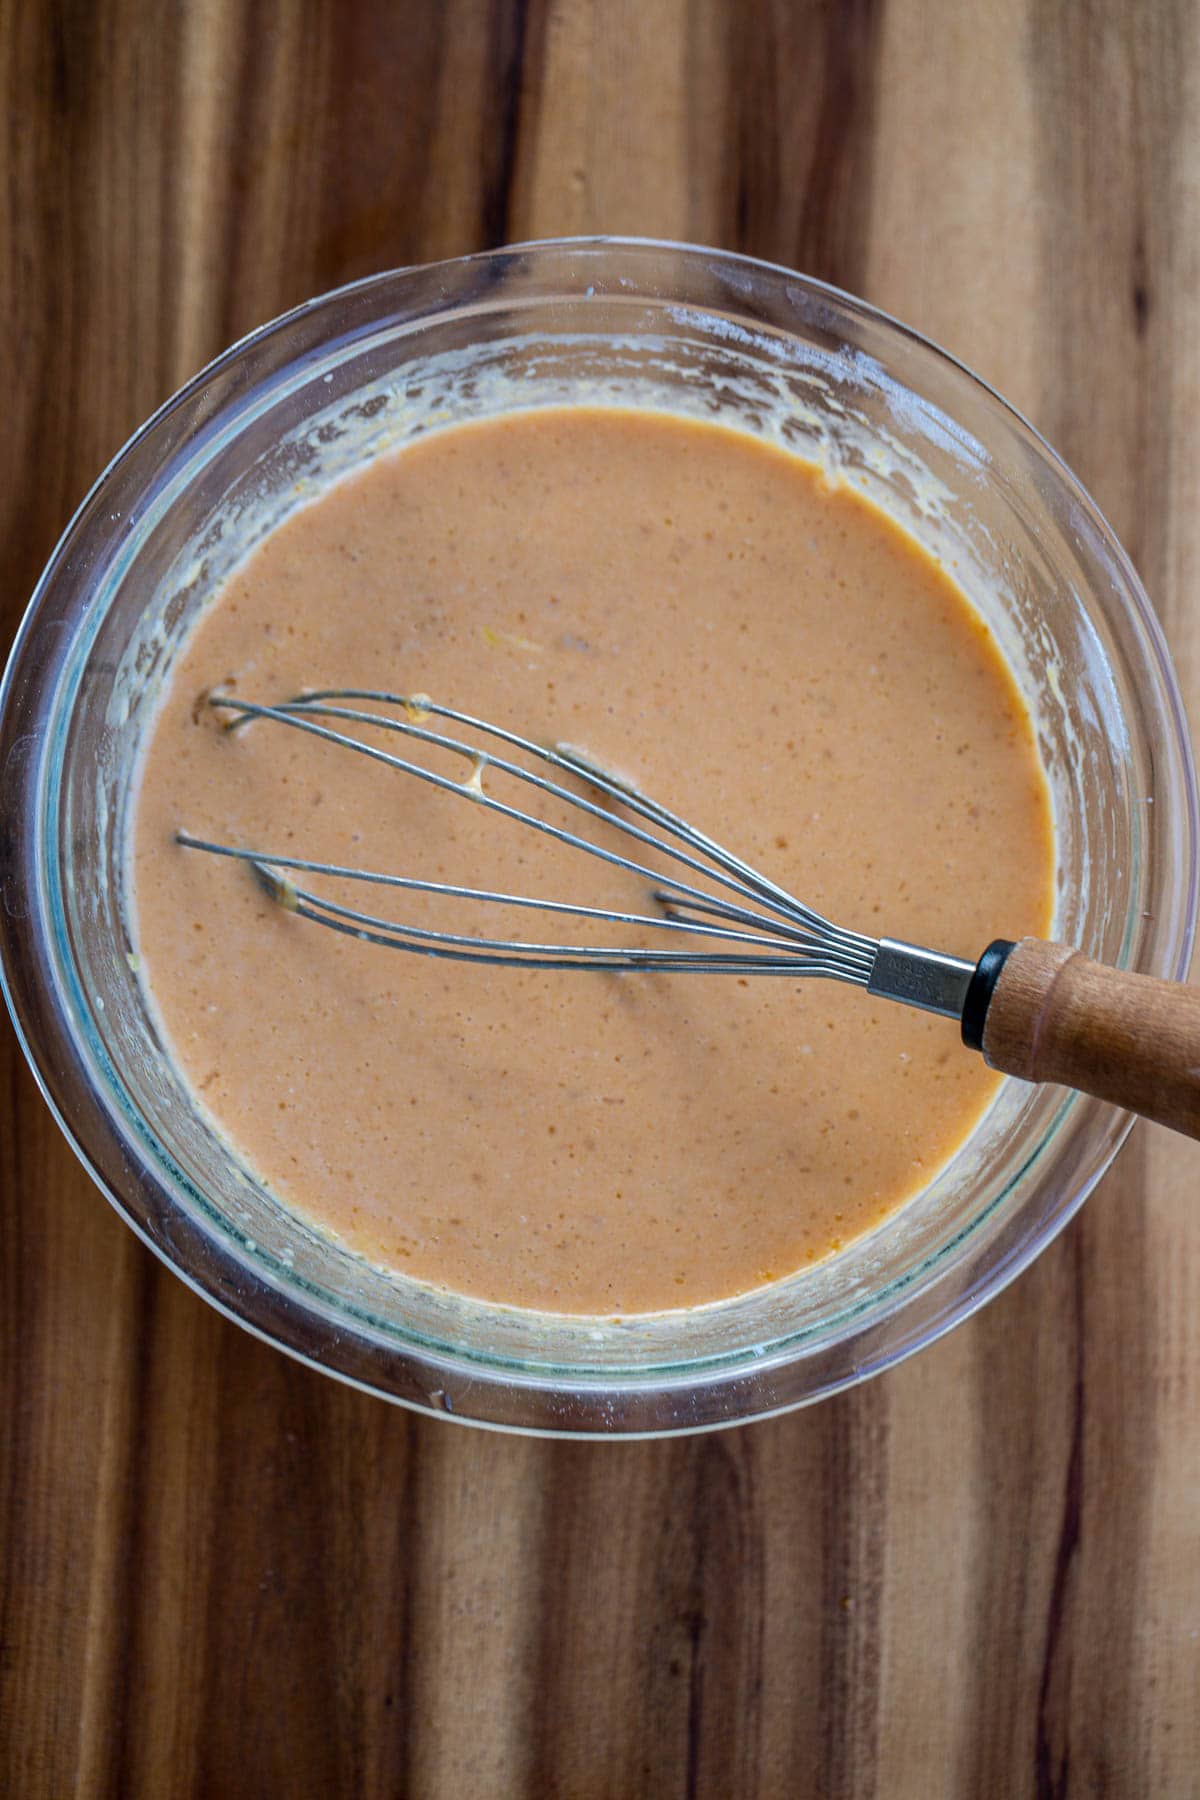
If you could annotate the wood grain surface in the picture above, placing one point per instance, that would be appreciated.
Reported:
(978, 1575)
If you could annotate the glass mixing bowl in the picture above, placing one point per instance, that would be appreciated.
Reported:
(352, 374)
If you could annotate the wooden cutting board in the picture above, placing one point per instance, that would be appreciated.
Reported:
(978, 1575)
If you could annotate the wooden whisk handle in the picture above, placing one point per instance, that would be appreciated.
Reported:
(1055, 1016)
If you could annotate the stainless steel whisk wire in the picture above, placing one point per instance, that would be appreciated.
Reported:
(794, 941)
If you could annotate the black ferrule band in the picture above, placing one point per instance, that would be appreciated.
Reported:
(981, 989)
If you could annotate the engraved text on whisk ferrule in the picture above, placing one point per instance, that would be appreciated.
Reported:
(921, 978)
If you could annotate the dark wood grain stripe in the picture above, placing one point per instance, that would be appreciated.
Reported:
(801, 118)
(1052, 1752)
(110, 1720)
(507, 43)
(855, 1536)
(682, 1661)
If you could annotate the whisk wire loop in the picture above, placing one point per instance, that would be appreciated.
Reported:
(767, 930)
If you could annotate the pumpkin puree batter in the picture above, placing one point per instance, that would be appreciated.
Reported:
(764, 652)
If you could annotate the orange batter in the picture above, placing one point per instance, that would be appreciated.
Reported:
(765, 653)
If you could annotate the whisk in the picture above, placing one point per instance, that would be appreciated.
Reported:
(1039, 1011)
